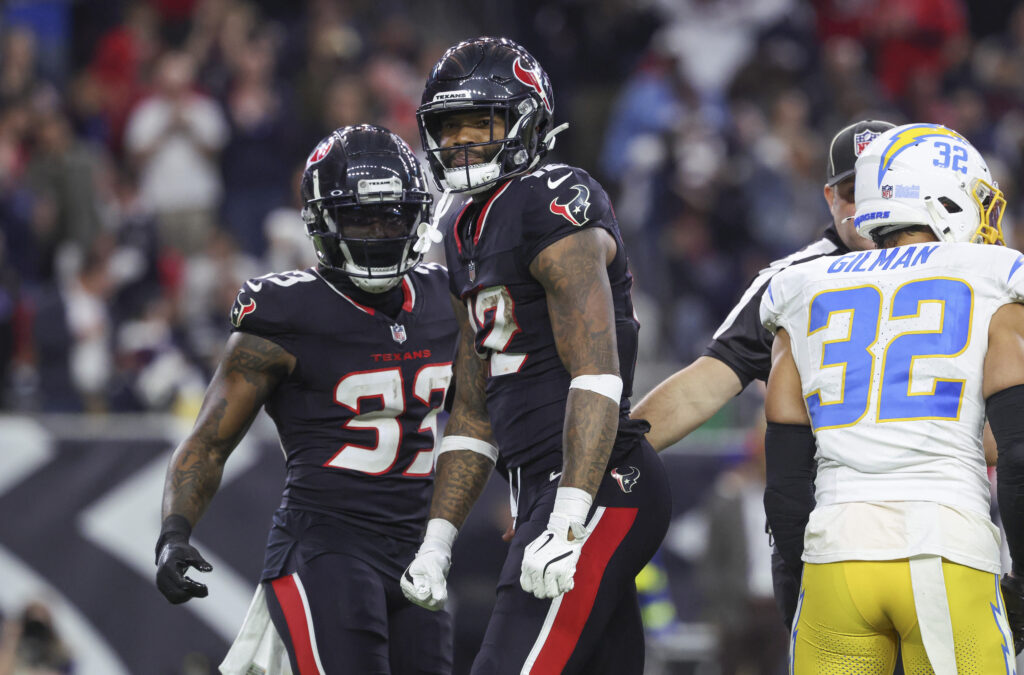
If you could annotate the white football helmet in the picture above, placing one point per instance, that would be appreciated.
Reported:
(927, 174)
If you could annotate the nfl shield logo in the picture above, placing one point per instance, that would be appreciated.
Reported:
(863, 140)
(398, 333)
(886, 192)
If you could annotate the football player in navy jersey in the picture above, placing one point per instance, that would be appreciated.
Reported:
(544, 371)
(352, 360)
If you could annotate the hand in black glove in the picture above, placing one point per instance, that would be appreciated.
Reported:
(1013, 599)
(174, 556)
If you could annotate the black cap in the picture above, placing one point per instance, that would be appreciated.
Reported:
(847, 145)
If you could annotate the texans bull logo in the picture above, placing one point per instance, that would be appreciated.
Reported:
(575, 210)
(626, 477)
(531, 78)
(240, 311)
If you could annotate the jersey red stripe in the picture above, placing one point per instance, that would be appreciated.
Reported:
(577, 603)
(487, 207)
(455, 228)
(407, 292)
(295, 616)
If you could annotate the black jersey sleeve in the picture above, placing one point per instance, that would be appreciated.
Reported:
(561, 200)
(273, 307)
(741, 342)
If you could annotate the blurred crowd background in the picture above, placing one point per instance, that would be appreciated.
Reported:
(150, 151)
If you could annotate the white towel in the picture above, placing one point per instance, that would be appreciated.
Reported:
(258, 649)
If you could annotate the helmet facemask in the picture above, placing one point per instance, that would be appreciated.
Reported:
(371, 242)
(504, 155)
(992, 205)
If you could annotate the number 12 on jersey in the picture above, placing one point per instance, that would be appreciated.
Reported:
(855, 356)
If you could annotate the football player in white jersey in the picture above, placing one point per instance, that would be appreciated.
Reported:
(884, 366)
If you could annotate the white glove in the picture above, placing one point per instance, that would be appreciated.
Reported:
(424, 581)
(549, 561)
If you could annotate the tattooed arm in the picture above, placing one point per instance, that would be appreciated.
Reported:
(461, 474)
(248, 372)
(465, 462)
(574, 274)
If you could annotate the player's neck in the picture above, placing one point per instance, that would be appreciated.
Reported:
(389, 302)
(907, 238)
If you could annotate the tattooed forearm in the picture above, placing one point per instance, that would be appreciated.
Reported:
(591, 421)
(250, 370)
(469, 412)
(574, 274)
(460, 478)
(192, 479)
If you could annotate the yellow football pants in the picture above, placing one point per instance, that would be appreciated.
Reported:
(850, 615)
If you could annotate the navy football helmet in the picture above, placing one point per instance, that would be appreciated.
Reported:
(359, 178)
(497, 76)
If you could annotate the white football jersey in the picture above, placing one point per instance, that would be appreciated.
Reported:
(890, 346)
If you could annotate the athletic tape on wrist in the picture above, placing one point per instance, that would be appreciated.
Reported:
(440, 531)
(573, 503)
(605, 385)
(449, 443)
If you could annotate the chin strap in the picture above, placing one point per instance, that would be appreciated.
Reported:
(429, 232)
(549, 137)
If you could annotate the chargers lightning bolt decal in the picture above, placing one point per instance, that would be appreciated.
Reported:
(908, 138)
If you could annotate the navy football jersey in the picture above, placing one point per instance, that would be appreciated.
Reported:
(489, 247)
(357, 418)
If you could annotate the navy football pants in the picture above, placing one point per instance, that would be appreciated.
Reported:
(337, 615)
(596, 627)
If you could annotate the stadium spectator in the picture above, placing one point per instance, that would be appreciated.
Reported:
(31, 645)
(174, 137)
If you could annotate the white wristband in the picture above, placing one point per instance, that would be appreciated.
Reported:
(449, 443)
(606, 385)
(439, 532)
(573, 503)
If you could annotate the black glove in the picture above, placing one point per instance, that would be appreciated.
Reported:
(174, 555)
(1013, 599)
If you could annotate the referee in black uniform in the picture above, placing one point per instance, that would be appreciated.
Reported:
(741, 348)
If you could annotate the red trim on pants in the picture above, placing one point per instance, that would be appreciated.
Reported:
(577, 604)
(288, 597)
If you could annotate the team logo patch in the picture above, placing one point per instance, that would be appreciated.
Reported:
(240, 311)
(575, 210)
(863, 140)
(320, 151)
(398, 333)
(531, 78)
(886, 192)
(626, 477)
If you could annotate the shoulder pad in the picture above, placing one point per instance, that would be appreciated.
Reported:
(562, 196)
(268, 303)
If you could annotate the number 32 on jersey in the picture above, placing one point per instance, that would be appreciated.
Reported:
(387, 386)
(856, 357)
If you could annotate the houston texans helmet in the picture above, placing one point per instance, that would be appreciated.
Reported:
(497, 76)
(362, 176)
(927, 174)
